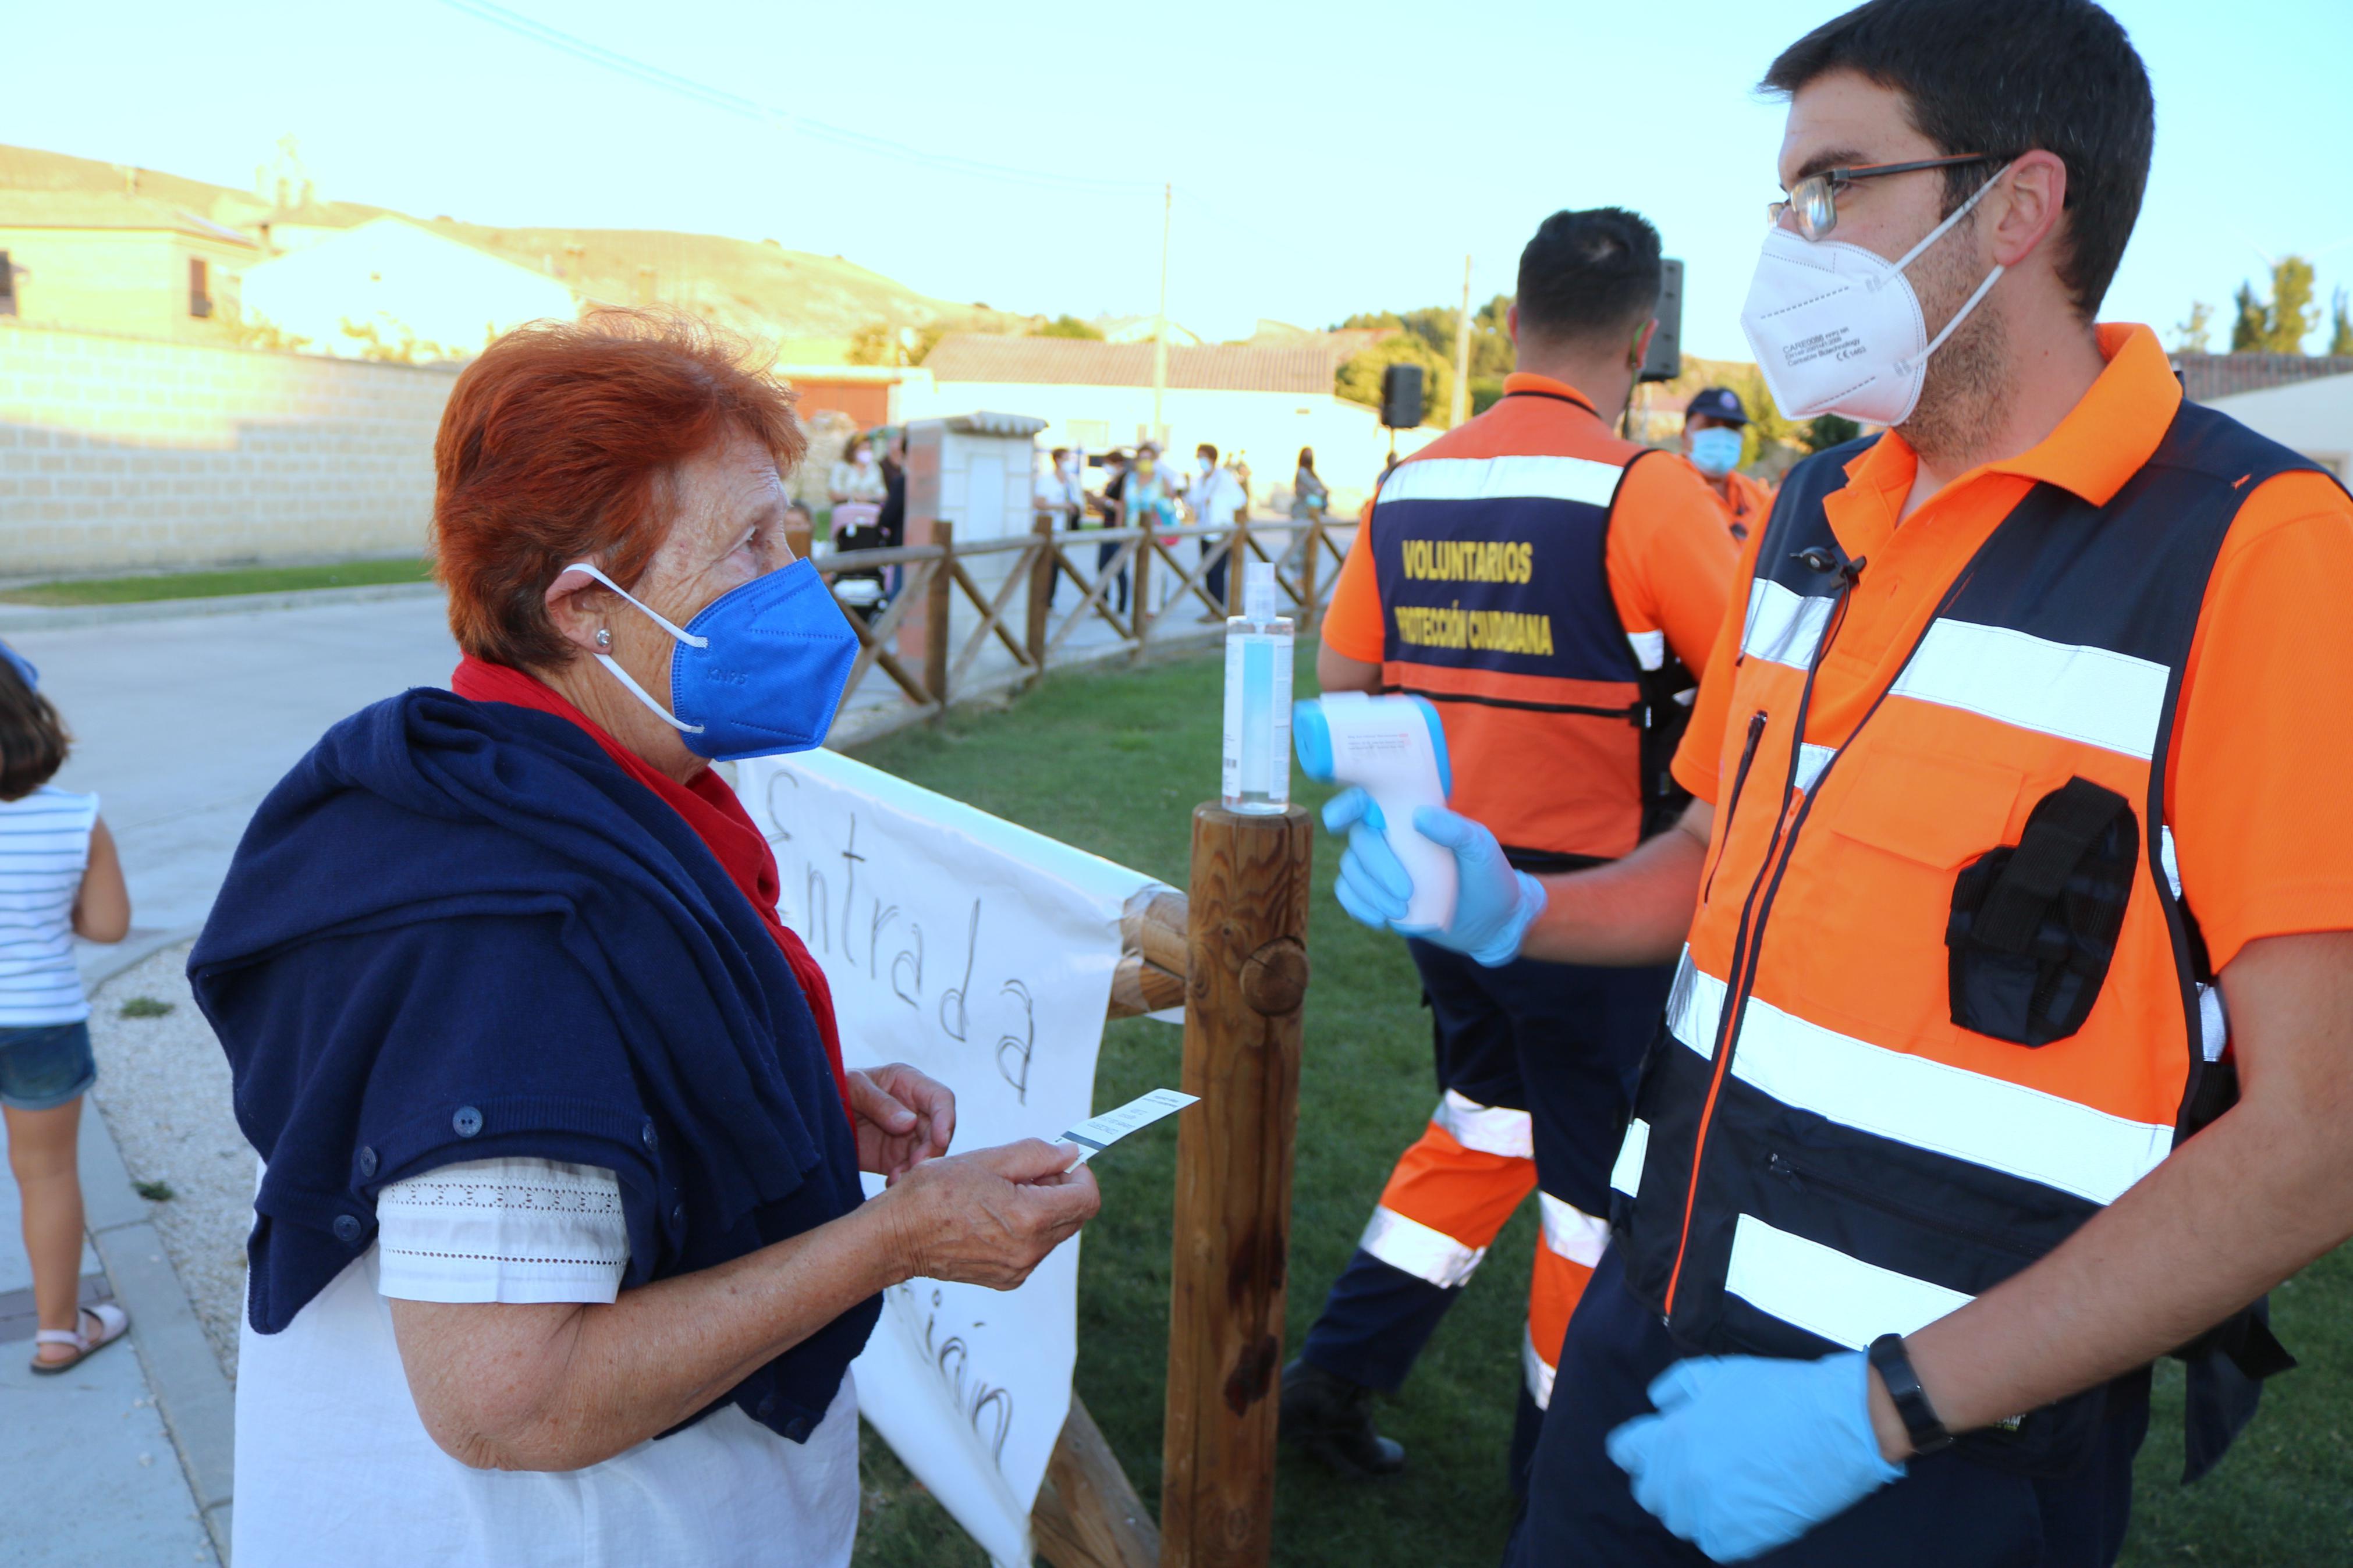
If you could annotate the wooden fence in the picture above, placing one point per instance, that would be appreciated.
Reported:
(970, 620)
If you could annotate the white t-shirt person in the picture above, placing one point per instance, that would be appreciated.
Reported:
(334, 1466)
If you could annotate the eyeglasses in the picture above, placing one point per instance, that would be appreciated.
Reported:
(1813, 201)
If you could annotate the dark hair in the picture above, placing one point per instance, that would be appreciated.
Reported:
(1589, 275)
(1059, 453)
(1307, 458)
(1206, 451)
(33, 739)
(2004, 78)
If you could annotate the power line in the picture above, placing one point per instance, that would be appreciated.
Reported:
(743, 107)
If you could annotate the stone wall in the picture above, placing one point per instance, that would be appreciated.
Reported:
(127, 453)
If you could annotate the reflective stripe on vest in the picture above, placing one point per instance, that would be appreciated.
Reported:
(1821, 1154)
(1494, 585)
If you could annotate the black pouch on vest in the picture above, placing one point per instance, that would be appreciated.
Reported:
(2033, 925)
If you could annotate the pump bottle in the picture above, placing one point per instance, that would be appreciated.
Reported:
(1258, 698)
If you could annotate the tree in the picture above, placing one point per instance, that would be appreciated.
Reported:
(2280, 326)
(2340, 325)
(1069, 326)
(1828, 430)
(2189, 336)
(880, 343)
(1491, 340)
(2293, 313)
(2253, 323)
(1360, 379)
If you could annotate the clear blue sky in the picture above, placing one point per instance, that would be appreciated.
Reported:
(1327, 157)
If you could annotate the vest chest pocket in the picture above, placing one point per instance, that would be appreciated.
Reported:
(1932, 810)
(2034, 926)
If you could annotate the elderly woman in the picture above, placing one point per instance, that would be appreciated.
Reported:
(559, 1254)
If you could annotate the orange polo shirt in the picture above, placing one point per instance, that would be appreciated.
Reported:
(2264, 744)
(1745, 501)
(1668, 565)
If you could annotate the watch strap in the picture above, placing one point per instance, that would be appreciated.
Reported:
(1893, 1364)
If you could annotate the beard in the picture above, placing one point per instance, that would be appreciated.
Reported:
(1967, 380)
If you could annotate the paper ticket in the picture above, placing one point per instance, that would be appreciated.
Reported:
(1100, 1132)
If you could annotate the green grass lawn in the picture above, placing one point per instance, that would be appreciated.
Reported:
(1115, 762)
(212, 585)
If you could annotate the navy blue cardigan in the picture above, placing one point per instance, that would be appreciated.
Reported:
(460, 930)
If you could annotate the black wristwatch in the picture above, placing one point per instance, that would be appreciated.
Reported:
(1889, 1359)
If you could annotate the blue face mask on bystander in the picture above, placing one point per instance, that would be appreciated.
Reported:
(1716, 451)
(758, 672)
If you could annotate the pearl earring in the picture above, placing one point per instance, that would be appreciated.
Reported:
(603, 640)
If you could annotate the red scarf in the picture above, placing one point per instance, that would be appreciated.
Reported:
(708, 807)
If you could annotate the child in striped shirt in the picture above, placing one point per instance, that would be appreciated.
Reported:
(58, 878)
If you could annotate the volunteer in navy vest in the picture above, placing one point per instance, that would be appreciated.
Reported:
(1546, 586)
(559, 1255)
(2011, 1041)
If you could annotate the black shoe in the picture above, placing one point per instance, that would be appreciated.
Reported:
(1331, 1418)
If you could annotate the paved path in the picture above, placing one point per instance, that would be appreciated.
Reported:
(182, 726)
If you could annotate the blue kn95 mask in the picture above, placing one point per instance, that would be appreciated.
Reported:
(758, 672)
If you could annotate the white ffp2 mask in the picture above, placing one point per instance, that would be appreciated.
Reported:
(1837, 329)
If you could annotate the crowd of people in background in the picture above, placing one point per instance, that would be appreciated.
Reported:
(1130, 486)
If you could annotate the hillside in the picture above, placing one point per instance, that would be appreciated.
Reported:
(808, 304)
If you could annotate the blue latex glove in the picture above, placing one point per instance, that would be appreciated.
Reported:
(1748, 1453)
(1491, 911)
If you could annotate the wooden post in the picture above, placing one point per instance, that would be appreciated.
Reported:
(1237, 551)
(1139, 605)
(1043, 573)
(936, 615)
(1306, 621)
(1246, 977)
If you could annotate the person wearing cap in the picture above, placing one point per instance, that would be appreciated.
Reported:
(1545, 587)
(1715, 429)
(2011, 1048)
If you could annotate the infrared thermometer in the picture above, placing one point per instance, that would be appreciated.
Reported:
(1395, 749)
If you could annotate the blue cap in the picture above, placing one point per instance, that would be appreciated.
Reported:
(1717, 403)
(22, 666)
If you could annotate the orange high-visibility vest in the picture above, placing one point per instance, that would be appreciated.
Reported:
(1942, 1000)
(1493, 569)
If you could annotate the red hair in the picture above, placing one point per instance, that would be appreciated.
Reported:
(556, 446)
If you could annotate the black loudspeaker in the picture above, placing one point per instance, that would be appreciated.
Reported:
(1665, 360)
(1401, 396)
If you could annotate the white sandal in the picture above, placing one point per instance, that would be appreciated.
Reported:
(113, 1322)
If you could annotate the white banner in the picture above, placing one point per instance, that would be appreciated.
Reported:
(982, 954)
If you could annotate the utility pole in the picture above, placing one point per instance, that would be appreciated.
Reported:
(1462, 409)
(1160, 323)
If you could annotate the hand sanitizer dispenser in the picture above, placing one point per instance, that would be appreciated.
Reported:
(1258, 699)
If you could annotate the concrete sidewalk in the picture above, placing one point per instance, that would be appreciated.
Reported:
(124, 1461)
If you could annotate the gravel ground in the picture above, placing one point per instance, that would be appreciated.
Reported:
(163, 1088)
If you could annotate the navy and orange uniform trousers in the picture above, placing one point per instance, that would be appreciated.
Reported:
(1535, 1063)
(1541, 583)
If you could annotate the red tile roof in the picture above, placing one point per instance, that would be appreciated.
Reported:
(1061, 362)
(2205, 377)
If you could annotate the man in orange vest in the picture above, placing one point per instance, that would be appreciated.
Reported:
(1545, 585)
(1715, 429)
(2012, 1043)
